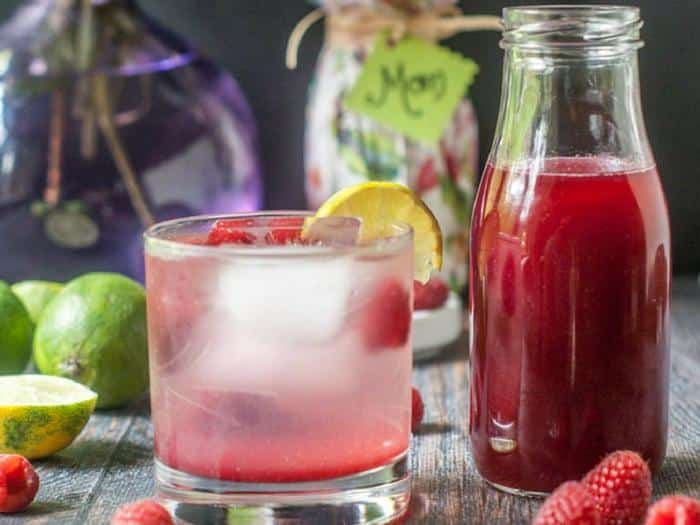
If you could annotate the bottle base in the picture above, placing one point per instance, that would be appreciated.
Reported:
(518, 492)
(376, 496)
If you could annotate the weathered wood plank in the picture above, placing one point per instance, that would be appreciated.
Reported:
(445, 476)
(446, 484)
(129, 475)
(112, 462)
(70, 480)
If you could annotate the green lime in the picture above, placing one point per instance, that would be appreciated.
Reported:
(16, 329)
(40, 415)
(94, 332)
(35, 295)
(243, 516)
(76, 206)
(71, 230)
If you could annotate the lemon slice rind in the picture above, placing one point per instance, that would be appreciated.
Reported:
(382, 204)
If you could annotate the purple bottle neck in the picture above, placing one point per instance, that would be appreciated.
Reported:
(136, 44)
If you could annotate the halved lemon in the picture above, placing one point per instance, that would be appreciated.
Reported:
(381, 204)
(40, 415)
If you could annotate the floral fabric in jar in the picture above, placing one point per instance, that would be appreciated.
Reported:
(396, 5)
(344, 148)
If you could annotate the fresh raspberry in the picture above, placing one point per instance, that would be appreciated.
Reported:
(417, 409)
(570, 504)
(3, 488)
(431, 295)
(402, 519)
(21, 483)
(621, 488)
(285, 230)
(674, 510)
(229, 232)
(387, 317)
(427, 177)
(144, 512)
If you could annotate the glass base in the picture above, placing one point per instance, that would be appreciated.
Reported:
(376, 496)
(518, 492)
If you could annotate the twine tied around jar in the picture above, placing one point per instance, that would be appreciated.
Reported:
(360, 25)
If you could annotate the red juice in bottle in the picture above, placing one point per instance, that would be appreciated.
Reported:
(569, 317)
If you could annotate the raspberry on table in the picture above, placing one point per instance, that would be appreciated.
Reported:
(417, 409)
(21, 483)
(621, 488)
(144, 512)
(674, 510)
(570, 504)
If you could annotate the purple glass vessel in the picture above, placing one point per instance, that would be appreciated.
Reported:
(108, 123)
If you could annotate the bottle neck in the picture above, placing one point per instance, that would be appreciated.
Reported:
(402, 6)
(569, 107)
(571, 85)
(99, 3)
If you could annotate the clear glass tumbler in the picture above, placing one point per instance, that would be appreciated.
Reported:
(280, 372)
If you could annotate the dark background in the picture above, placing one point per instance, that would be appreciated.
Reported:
(249, 37)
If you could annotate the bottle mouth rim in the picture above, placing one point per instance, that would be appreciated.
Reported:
(558, 9)
(562, 27)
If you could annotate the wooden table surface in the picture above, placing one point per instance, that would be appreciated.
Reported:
(111, 463)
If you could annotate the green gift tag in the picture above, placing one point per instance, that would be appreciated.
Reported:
(413, 86)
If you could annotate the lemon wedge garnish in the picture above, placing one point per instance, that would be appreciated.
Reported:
(379, 205)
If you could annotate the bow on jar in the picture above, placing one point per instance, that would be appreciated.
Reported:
(352, 24)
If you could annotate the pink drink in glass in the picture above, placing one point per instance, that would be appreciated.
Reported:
(274, 361)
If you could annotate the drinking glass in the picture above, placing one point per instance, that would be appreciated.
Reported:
(280, 373)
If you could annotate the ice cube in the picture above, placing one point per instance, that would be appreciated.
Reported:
(296, 299)
(253, 362)
(334, 231)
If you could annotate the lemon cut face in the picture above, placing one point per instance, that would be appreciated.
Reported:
(40, 415)
(380, 205)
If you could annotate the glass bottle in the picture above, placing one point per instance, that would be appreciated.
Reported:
(109, 122)
(569, 275)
